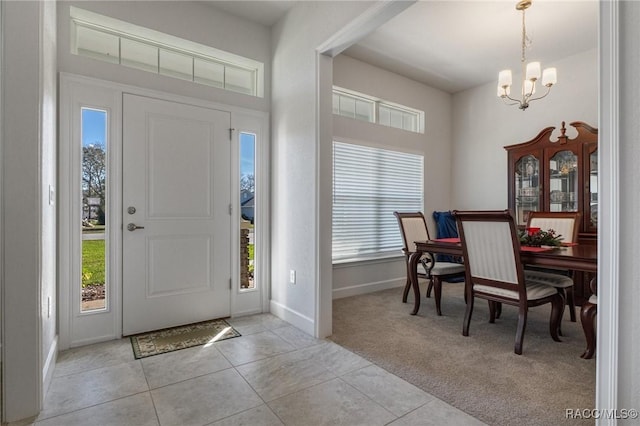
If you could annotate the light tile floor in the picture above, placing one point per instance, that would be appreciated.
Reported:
(273, 375)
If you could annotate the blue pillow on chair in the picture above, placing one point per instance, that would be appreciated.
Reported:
(446, 228)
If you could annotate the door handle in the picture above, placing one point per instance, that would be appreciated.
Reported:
(133, 227)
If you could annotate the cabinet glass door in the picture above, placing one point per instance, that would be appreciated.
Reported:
(593, 190)
(527, 187)
(563, 182)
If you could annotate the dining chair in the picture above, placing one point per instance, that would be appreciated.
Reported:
(413, 227)
(491, 251)
(565, 224)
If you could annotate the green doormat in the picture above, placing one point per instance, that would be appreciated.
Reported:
(185, 336)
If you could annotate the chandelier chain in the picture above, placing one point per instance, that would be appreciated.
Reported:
(524, 38)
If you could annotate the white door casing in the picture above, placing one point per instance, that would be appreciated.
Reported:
(78, 328)
(176, 174)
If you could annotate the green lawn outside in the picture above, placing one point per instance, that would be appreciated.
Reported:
(93, 262)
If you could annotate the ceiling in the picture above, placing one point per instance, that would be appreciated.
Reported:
(265, 12)
(455, 45)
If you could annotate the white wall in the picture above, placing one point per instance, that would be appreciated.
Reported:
(29, 136)
(483, 125)
(296, 162)
(435, 144)
(629, 193)
(196, 21)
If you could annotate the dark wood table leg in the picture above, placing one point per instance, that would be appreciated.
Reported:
(588, 318)
(413, 274)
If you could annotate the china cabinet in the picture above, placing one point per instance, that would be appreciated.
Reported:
(557, 174)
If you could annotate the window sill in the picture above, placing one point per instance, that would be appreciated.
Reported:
(368, 260)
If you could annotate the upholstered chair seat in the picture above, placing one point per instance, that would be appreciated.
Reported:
(548, 278)
(535, 291)
(413, 227)
(444, 268)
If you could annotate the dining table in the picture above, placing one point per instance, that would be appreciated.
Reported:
(575, 257)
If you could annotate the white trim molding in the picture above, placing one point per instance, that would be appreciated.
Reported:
(609, 206)
(77, 91)
(366, 288)
(294, 318)
(372, 18)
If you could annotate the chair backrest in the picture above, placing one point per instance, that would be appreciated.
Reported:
(491, 250)
(565, 224)
(413, 227)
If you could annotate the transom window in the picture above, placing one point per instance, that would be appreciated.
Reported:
(358, 106)
(353, 106)
(369, 184)
(110, 40)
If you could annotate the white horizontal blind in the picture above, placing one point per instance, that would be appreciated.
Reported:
(369, 184)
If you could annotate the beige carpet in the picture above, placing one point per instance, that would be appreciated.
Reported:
(479, 374)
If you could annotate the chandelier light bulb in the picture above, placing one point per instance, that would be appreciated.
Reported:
(549, 77)
(528, 88)
(533, 71)
(504, 78)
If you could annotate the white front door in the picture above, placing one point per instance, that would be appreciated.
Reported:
(176, 191)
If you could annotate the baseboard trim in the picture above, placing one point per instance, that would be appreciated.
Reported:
(49, 366)
(294, 318)
(91, 341)
(245, 313)
(365, 288)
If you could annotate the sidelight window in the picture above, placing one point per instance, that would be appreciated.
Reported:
(94, 201)
(247, 210)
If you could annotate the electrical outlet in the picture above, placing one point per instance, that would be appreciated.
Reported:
(292, 276)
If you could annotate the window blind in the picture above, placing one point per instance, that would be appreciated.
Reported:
(369, 184)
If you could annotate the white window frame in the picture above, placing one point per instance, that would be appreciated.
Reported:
(344, 94)
(376, 103)
(256, 300)
(81, 18)
(79, 328)
(390, 173)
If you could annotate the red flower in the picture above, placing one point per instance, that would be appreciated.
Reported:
(533, 231)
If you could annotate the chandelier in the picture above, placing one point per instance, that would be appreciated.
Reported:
(530, 72)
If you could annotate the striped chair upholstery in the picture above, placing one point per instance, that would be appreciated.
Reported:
(565, 224)
(491, 251)
(413, 227)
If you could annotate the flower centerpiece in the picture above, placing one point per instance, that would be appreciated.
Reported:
(537, 237)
